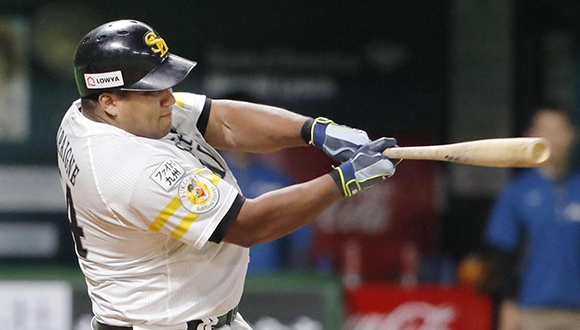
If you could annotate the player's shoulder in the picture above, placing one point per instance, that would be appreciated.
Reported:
(129, 152)
(134, 164)
(189, 101)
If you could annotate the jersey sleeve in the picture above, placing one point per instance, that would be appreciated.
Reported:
(197, 108)
(503, 225)
(190, 204)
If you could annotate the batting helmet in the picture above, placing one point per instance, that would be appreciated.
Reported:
(126, 55)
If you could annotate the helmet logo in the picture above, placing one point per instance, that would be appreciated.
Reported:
(104, 80)
(151, 39)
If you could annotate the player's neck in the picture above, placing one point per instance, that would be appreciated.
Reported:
(95, 116)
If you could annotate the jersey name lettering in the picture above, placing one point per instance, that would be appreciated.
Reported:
(208, 160)
(66, 154)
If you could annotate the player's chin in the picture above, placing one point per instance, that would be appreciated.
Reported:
(162, 130)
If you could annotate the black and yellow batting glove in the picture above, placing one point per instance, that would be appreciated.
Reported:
(365, 167)
(337, 141)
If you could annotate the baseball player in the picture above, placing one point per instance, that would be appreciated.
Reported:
(160, 226)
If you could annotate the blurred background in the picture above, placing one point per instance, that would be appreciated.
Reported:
(423, 71)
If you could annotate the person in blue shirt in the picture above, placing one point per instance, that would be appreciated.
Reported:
(255, 178)
(534, 230)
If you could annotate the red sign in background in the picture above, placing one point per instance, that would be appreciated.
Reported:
(392, 307)
(380, 234)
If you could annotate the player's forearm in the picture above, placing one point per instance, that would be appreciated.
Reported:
(250, 127)
(280, 212)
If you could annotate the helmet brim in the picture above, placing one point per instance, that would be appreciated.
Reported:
(166, 75)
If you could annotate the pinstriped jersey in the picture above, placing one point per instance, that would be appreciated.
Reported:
(146, 215)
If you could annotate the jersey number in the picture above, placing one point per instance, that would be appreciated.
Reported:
(77, 231)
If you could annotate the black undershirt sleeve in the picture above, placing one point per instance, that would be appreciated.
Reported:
(221, 230)
(204, 116)
(305, 131)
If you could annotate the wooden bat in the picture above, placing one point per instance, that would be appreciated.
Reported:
(507, 152)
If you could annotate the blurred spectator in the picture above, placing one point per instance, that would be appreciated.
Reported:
(534, 231)
(255, 178)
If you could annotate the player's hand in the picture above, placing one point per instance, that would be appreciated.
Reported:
(366, 167)
(337, 141)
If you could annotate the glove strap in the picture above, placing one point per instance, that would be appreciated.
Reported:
(312, 132)
(344, 179)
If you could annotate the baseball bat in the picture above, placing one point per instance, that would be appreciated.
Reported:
(506, 152)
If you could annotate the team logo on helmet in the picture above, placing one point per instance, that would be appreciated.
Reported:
(198, 194)
(160, 47)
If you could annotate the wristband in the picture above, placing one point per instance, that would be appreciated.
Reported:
(306, 130)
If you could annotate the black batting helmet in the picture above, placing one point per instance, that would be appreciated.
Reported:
(127, 55)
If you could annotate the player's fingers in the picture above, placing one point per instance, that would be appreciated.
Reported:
(381, 144)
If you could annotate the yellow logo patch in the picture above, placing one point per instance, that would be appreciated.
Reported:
(160, 47)
(198, 194)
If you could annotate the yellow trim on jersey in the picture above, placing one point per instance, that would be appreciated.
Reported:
(179, 99)
(165, 214)
(170, 209)
(184, 225)
(214, 179)
(186, 222)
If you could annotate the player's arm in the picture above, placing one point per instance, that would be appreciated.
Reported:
(280, 212)
(251, 127)
(283, 211)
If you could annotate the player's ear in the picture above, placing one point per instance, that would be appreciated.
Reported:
(108, 104)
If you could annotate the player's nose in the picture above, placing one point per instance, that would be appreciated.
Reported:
(167, 98)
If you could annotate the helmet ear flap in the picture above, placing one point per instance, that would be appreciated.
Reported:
(127, 55)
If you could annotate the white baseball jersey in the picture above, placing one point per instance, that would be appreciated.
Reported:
(145, 215)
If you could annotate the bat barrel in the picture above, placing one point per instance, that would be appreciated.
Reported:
(506, 152)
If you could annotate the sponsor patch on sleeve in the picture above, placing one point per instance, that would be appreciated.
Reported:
(198, 194)
(167, 174)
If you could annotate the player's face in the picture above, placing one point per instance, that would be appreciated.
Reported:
(146, 114)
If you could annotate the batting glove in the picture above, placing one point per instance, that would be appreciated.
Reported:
(337, 141)
(366, 167)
